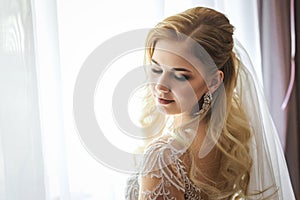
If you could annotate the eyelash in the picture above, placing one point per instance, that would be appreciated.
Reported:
(179, 78)
(157, 71)
(182, 78)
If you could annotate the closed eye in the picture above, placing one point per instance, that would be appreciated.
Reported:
(155, 68)
(181, 77)
(157, 71)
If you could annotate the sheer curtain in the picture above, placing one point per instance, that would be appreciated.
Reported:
(83, 26)
(32, 162)
(50, 99)
(21, 159)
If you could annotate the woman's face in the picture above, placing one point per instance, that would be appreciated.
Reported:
(176, 84)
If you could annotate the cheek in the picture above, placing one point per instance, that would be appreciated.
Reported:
(200, 88)
(190, 94)
(200, 91)
(185, 94)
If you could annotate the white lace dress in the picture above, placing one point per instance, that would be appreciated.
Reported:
(162, 176)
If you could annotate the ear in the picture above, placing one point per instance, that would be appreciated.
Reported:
(216, 81)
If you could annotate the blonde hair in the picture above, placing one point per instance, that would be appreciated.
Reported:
(212, 30)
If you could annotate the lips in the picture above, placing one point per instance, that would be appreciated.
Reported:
(164, 101)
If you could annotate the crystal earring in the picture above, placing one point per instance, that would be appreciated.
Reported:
(206, 104)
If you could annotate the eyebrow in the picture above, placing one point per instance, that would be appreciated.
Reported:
(176, 68)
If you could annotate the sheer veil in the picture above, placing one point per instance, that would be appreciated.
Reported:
(269, 172)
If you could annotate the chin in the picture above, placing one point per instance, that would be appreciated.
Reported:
(169, 111)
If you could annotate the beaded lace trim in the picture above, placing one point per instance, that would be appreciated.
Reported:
(158, 156)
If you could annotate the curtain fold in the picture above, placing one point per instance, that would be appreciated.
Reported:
(21, 163)
(275, 39)
(32, 149)
(293, 138)
(50, 97)
(275, 32)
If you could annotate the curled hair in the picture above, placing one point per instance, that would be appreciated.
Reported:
(212, 31)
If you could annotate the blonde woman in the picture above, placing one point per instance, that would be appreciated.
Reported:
(216, 139)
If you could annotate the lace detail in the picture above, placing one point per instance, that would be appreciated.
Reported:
(162, 175)
(132, 190)
(192, 192)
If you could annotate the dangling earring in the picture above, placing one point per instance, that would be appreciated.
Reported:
(206, 104)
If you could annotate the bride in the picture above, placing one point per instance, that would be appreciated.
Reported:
(218, 140)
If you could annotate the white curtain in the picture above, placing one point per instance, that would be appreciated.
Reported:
(50, 98)
(43, 45)
(32, 149)
(21, 158)
(83, 26)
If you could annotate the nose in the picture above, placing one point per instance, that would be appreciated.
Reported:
(162, 82)
(162, 88)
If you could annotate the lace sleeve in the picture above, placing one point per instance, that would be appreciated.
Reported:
(162, 174)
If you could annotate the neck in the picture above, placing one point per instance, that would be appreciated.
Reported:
(194, 128)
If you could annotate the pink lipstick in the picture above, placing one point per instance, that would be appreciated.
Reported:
(164, 101)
